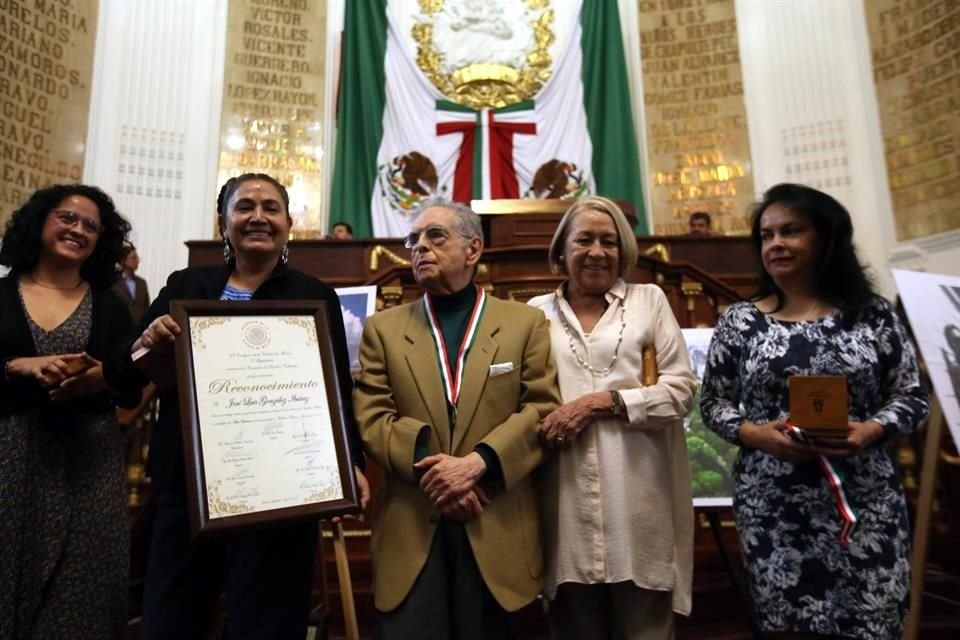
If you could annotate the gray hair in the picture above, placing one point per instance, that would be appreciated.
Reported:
(466, 222)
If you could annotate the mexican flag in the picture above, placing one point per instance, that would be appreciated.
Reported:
(480, 100)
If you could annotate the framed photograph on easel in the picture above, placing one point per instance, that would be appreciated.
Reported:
(711, 457)
(357, 304)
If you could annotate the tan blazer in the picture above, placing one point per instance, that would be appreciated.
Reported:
(399, 393)
(137, 303)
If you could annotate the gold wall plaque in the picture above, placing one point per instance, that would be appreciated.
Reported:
(698, 148)
(46, 66)
(272, 117)
(916, 69)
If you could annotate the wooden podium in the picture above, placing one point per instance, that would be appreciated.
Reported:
(700, 276)
(509, 223)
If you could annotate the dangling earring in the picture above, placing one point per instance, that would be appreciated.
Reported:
(285, 254)
(227, 251)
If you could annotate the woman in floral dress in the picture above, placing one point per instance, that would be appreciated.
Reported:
(816, 314)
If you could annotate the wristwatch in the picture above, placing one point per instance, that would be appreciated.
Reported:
(616, 408)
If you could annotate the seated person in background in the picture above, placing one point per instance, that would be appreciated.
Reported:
(131, 288)
(699, 224)
(341, 231)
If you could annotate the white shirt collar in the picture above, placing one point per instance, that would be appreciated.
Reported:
(617, 291)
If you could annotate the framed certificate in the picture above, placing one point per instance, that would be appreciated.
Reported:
(264, 434)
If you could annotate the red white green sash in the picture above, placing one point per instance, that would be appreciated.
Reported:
(835, 478)
(453, 374)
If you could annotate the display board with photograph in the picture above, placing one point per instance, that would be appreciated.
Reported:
(711, 457)
(932, 303)
(357, 304)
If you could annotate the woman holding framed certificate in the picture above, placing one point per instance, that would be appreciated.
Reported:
(267, 571)
(822, 521)
(63, 533)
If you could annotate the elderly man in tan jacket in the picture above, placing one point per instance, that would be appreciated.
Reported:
(451, 392)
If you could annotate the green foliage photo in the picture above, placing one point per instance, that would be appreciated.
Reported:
(711, 457)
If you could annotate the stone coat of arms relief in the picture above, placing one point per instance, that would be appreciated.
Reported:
(485, 53)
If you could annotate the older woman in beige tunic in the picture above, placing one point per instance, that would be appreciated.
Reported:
(616, 495)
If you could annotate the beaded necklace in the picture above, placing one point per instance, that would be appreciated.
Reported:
(573, 347)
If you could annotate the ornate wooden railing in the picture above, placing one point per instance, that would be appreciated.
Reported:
(520, 273)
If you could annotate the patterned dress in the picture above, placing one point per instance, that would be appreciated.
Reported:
(802, 578)
(63, 530)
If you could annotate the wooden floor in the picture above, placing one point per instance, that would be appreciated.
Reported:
(718, 614)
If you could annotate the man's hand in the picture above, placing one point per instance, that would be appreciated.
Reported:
(466, 507)
(449, 477)
(772, 438)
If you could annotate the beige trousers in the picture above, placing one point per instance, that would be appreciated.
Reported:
(620, 611)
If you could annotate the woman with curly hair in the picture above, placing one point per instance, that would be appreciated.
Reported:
(63, 569)
(816, 570)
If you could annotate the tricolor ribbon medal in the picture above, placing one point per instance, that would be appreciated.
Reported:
(453, 375)
(835, 478)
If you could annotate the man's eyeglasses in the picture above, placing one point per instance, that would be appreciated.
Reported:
(436, 236)
(70, 218)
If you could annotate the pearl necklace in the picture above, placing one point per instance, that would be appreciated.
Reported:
(573, 347)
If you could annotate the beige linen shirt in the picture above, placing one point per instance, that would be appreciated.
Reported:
(617, 505)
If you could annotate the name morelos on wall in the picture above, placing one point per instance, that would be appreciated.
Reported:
(272, 118)
(46, 66)
(699, 154)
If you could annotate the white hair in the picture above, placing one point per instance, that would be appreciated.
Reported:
(466, 221)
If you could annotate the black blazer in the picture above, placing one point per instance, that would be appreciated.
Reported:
(165, 462)
(139, 302)
(111, 321)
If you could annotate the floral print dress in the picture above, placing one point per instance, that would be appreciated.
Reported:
(802, 578)
(64, 541)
